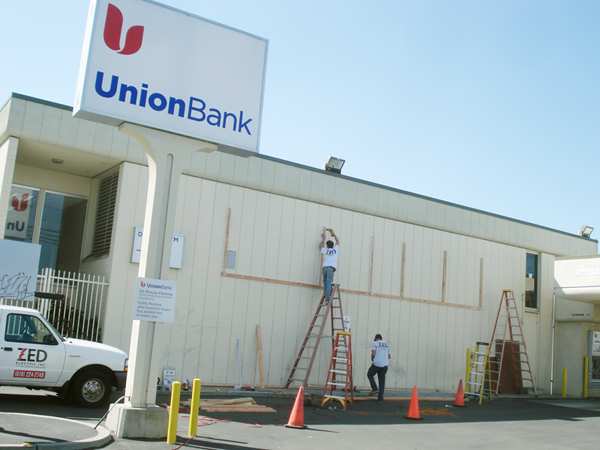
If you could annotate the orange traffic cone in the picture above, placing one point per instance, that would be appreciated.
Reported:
(459, 400)
(414, 412)
(297, 415)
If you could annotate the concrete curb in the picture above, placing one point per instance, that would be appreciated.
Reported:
(102, 438)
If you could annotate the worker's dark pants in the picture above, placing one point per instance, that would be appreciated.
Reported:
(380, 371)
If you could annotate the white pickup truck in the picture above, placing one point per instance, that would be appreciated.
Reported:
(34, 355)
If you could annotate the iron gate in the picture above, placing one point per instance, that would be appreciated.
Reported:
(75, 306)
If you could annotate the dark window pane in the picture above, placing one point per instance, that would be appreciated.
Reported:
(531, 275)
(27, 329)
(62, 231)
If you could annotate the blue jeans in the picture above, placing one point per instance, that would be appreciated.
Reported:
(327, 281)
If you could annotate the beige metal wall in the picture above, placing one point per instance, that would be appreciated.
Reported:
(394, 276)
(34, 121)
(425, 273)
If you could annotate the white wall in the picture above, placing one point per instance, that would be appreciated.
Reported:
(276, 240)
(52, 180)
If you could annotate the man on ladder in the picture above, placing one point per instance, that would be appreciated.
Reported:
(329, 253)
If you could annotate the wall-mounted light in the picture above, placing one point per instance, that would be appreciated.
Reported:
(57, 161)
(586, 231)
(335, 165)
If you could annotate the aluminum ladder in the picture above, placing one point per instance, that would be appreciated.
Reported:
(507, 330)
(477, 380)
(302, 367)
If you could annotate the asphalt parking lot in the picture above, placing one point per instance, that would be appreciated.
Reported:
(501, 424)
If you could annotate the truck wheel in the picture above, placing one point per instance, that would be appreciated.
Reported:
(91, 389)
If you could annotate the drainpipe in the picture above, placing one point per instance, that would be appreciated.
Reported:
(552, 343)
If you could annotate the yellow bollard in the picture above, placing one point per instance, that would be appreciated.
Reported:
(586, 376)
(194, 407)
(173, 412)
(468, 370)
(563, 391)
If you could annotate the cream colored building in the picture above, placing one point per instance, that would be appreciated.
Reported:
(425, 273)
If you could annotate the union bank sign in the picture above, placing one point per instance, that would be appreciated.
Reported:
(152, 65)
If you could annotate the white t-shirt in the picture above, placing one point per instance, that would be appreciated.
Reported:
(382, 353)
(330, 256)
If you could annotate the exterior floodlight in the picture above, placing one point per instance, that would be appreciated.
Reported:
(335, 165)
(586, 231)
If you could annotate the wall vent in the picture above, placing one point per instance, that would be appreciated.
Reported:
(105, 213)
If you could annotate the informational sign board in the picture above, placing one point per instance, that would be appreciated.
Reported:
(168, 378)
(154, 300)
(19, 263)
(150, 64)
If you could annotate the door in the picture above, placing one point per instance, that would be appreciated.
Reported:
(31, 353)
(594, 354)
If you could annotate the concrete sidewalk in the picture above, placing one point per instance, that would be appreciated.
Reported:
(505, 423)
(49, 433)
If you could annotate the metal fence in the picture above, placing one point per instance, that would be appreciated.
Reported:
(76, 309)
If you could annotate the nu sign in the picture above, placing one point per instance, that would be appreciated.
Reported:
(152, 65)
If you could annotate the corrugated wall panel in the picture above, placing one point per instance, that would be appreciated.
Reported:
(277, 238)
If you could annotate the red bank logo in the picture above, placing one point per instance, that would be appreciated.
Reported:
(22, 204)
(113, 28)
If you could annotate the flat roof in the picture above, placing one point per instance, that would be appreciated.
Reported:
(345, 177)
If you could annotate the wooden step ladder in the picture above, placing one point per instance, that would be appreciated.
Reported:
(339, 385)
(507, 331)
(304, 362)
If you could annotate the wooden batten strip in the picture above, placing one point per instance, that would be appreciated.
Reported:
(444, 276)
(369, 293)
(227, 227)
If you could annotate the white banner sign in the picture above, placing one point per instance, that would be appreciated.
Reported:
(19, 209)
(19, 263)
(154, 300)
(152, 65)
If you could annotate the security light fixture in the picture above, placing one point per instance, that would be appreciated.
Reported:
(335, 165)
(57, 161)
(586, 231)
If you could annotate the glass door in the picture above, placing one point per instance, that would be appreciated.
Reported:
(61, 231)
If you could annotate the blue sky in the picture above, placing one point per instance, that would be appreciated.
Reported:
(494, 105)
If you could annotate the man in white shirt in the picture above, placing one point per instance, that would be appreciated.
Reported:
(329, 252)
(380, 359)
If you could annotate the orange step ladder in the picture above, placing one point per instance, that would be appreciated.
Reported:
(339, 385)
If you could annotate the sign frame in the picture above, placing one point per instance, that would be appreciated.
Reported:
(86, 112)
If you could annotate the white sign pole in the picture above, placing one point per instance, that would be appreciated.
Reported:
(167, 155)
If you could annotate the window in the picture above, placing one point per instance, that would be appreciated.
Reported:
(27, 329)
(107, 198)
(531, 281)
